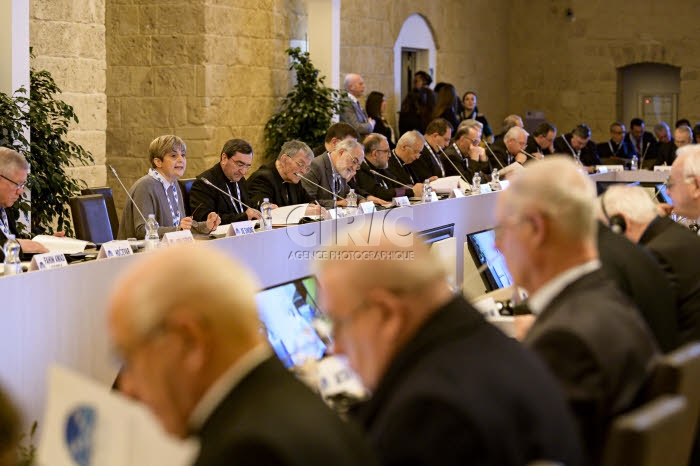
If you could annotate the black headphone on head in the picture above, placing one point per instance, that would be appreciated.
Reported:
(617, 222)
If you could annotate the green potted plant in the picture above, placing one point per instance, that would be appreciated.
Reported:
(305, 112)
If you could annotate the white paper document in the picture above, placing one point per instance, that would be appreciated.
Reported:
(58, 244)
(447, 184)
(87, 424)
(290, 214)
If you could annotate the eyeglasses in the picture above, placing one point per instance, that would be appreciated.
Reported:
(474, 142)
(301, 166)
(670, 184)
(355, 161)
(19, 186)
(240, 165)
(383, 150)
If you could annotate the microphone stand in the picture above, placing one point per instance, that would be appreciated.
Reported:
(209, 183)
(375, 172)
(641, 161)
(529, 155)
(492, 154)
(455, 167)
(128, 195)
(335, 196)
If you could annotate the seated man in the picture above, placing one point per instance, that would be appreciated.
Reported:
(674, 246)
(437, 137)
(159, 193)
(408, 150)
(587, 331)
(336, 133)
(643, 142)
(464, 156)
(14, 169)
(514, 142)
(617, 147)
(684, 183)
(665, 146)
(541, 142)
(195, 356)
(333, 171)
(682, 136)
(448, 388)
(579, 145)
(377, 155)
(229, 176)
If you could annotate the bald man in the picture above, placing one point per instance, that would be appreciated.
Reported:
(353, 113)
(448, 387)
(587, 331)
(190, 338)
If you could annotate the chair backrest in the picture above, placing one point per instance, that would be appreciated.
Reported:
(90, 218)
(185, 187)
(106, 191)
(678, 373)
(650, 435)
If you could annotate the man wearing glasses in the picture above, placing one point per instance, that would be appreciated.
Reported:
(229, 176)
(464, 156)
(333, 171)
(14, 169)
(541, 142)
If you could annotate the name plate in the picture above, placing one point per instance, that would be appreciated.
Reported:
(245, 227)
(662, 168)
(401, 201)
(115, 249)
(433, 196)
(456, 192)
(485, 188)
(175, 237)
(48, 260)
(367, 207)
(609, 168)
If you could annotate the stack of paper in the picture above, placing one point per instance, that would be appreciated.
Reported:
(61, 244)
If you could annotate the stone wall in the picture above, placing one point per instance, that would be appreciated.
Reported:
(68, 40)
(569, 69)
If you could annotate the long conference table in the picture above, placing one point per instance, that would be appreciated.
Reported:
(59, 316)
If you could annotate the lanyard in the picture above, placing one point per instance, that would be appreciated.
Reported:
(238, 191)
(175, 213)
(437, 160)
(611, 148)
(4, 223)
(461, 156)
(404, 166)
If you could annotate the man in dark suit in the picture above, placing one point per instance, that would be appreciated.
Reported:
(14, 169)
(464, 156)
(278, 180)
(196, 357)
(675, 247)
(336, 133)
(407, 151)
(333, 171)
(541, 142)
(579, 145)
(616, 147)
(514, 141)
(437, 137)
(352, 112)
(448, 388)
(586, 330)
(684, 182)
(643, 142)
(229, 176)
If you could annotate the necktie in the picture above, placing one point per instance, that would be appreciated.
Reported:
(360, 113)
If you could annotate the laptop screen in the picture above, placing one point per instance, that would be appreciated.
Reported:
(489, 259)
(292, 320)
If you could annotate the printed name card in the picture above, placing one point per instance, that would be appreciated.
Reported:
(433, 196)
(367, 207)
(486, 188)
(401, 201)
(240, 228)
(48, 260)
(175, 237)
(456, 192)
(115, 249)
(662, 168)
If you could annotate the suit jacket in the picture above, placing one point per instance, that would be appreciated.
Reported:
(466, 166)
(321, 173)
(427, 165)
(665, 153)
(369, 184)
(595, 342)
(402, 172)
(589, 153)
(609, 149)
(266, 182)
(461, 392)
(353, 114)
(647, 139)
(639, 276)
(13, 231)
(533, 147)
(270, 418)
(677, 249)
(206, 199)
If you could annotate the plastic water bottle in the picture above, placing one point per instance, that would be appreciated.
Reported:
(13, 266)
(351, 199)
(152, 238)
(634, 163)
(426, 191)
(266, 211)
(495, 177)
(476, 183)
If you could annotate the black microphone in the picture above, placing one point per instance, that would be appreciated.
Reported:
(127, 194)
(209, 183)
(319, 186)
(455, 167)
(374, 172)
(494, 155)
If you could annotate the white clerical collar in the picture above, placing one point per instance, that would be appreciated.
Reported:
(538, 301)
(225, 383)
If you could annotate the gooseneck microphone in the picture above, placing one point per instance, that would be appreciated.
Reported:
(320, 187)
(641, 161)
(494, 155)
(127, 193)
(375, 172)
(209, 183)
(528, 154)
(459, 172)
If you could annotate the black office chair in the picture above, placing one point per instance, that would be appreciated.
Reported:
(90, 218)
(185, 187)
(106, 192)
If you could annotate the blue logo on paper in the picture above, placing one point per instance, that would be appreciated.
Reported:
(80, 430)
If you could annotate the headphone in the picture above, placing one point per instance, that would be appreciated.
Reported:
(617, 221)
